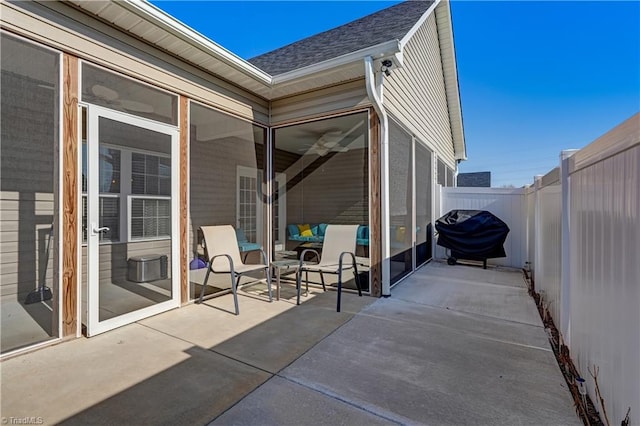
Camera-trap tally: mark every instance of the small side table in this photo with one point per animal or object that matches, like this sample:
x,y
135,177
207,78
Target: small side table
x,y
286,265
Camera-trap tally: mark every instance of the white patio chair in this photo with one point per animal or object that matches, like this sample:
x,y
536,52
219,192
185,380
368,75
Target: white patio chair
x,y
339,241
224,258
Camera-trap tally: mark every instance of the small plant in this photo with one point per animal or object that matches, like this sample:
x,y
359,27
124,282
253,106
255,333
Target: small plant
x,y
594,374
625,422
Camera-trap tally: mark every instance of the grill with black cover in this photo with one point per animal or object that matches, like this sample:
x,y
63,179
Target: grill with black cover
x,y
472,235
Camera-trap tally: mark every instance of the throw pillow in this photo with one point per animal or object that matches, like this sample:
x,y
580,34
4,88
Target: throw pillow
x,y
305,230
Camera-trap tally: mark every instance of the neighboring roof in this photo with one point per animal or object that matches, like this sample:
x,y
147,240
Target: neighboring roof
x,y
392,23
474,180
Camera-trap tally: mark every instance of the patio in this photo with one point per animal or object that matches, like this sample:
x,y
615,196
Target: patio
x,y
453,345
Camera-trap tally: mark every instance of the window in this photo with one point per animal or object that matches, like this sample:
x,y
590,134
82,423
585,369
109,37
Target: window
x,y
442,173
149,197
150,216
446,176
249,207
150,175
110,168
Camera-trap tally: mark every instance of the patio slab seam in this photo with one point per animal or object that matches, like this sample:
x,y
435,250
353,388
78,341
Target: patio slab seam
x,y
466,282
465,333
461,311
285,367
359,404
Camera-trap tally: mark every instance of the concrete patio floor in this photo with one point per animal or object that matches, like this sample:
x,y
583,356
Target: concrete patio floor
x,y
453,345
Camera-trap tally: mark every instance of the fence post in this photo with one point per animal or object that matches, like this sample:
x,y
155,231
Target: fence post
x,y
565,247
537,248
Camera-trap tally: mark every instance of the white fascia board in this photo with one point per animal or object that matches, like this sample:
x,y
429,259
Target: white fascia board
x,y
382,50
418,24
447,33
151,13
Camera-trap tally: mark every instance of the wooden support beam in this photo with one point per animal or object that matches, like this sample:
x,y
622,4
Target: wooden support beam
x,y
70,314
184,222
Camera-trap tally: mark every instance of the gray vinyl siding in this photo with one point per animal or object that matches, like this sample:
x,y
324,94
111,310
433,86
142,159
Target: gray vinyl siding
x,y
23,242
415,94
27,181
336,192
213,181
112,263
61,26
317,103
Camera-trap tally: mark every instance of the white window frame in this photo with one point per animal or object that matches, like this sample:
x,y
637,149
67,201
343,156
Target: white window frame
x,y
250,172
281,180
125,195
130,199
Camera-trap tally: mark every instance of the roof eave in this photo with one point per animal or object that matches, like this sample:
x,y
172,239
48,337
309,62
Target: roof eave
x,y
419,23
450,70
391,48
178,29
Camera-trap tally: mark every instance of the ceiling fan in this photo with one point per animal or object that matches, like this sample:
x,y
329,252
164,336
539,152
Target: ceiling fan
x,y
109,96
327,142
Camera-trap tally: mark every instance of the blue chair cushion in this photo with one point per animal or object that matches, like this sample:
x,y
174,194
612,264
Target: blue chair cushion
x,y
322,229
240,236
246,246
363,232
294,231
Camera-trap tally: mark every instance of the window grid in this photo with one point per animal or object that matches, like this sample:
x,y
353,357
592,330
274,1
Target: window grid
x,y
150,174
150,218
247,194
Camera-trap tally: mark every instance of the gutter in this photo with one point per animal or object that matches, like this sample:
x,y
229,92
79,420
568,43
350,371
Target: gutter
x,y
375,85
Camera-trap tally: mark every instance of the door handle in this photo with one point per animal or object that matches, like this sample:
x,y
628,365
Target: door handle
x,y
97,231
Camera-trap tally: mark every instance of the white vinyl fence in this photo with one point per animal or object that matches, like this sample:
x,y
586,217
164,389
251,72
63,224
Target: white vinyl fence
x,y
547,242
603,288
578,229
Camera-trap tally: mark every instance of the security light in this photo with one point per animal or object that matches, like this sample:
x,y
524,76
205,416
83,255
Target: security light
x,y
386,65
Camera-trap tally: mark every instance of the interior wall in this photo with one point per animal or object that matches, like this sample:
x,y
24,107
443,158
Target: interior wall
x,y
213,185
335,192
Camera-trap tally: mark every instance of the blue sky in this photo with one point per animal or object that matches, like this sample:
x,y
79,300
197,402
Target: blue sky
x,y
535,77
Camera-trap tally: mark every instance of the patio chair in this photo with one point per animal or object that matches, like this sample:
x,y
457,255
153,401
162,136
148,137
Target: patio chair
x,y
339,241
224,258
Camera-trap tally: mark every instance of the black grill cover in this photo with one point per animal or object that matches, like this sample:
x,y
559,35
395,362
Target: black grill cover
x,y
472,234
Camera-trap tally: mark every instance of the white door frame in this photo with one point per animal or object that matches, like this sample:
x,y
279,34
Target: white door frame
x,y
94,325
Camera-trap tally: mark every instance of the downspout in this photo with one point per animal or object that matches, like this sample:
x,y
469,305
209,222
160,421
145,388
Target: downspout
x,y
374,84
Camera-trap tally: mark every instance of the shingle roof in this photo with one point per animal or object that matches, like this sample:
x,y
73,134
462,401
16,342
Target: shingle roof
x,y
388,24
